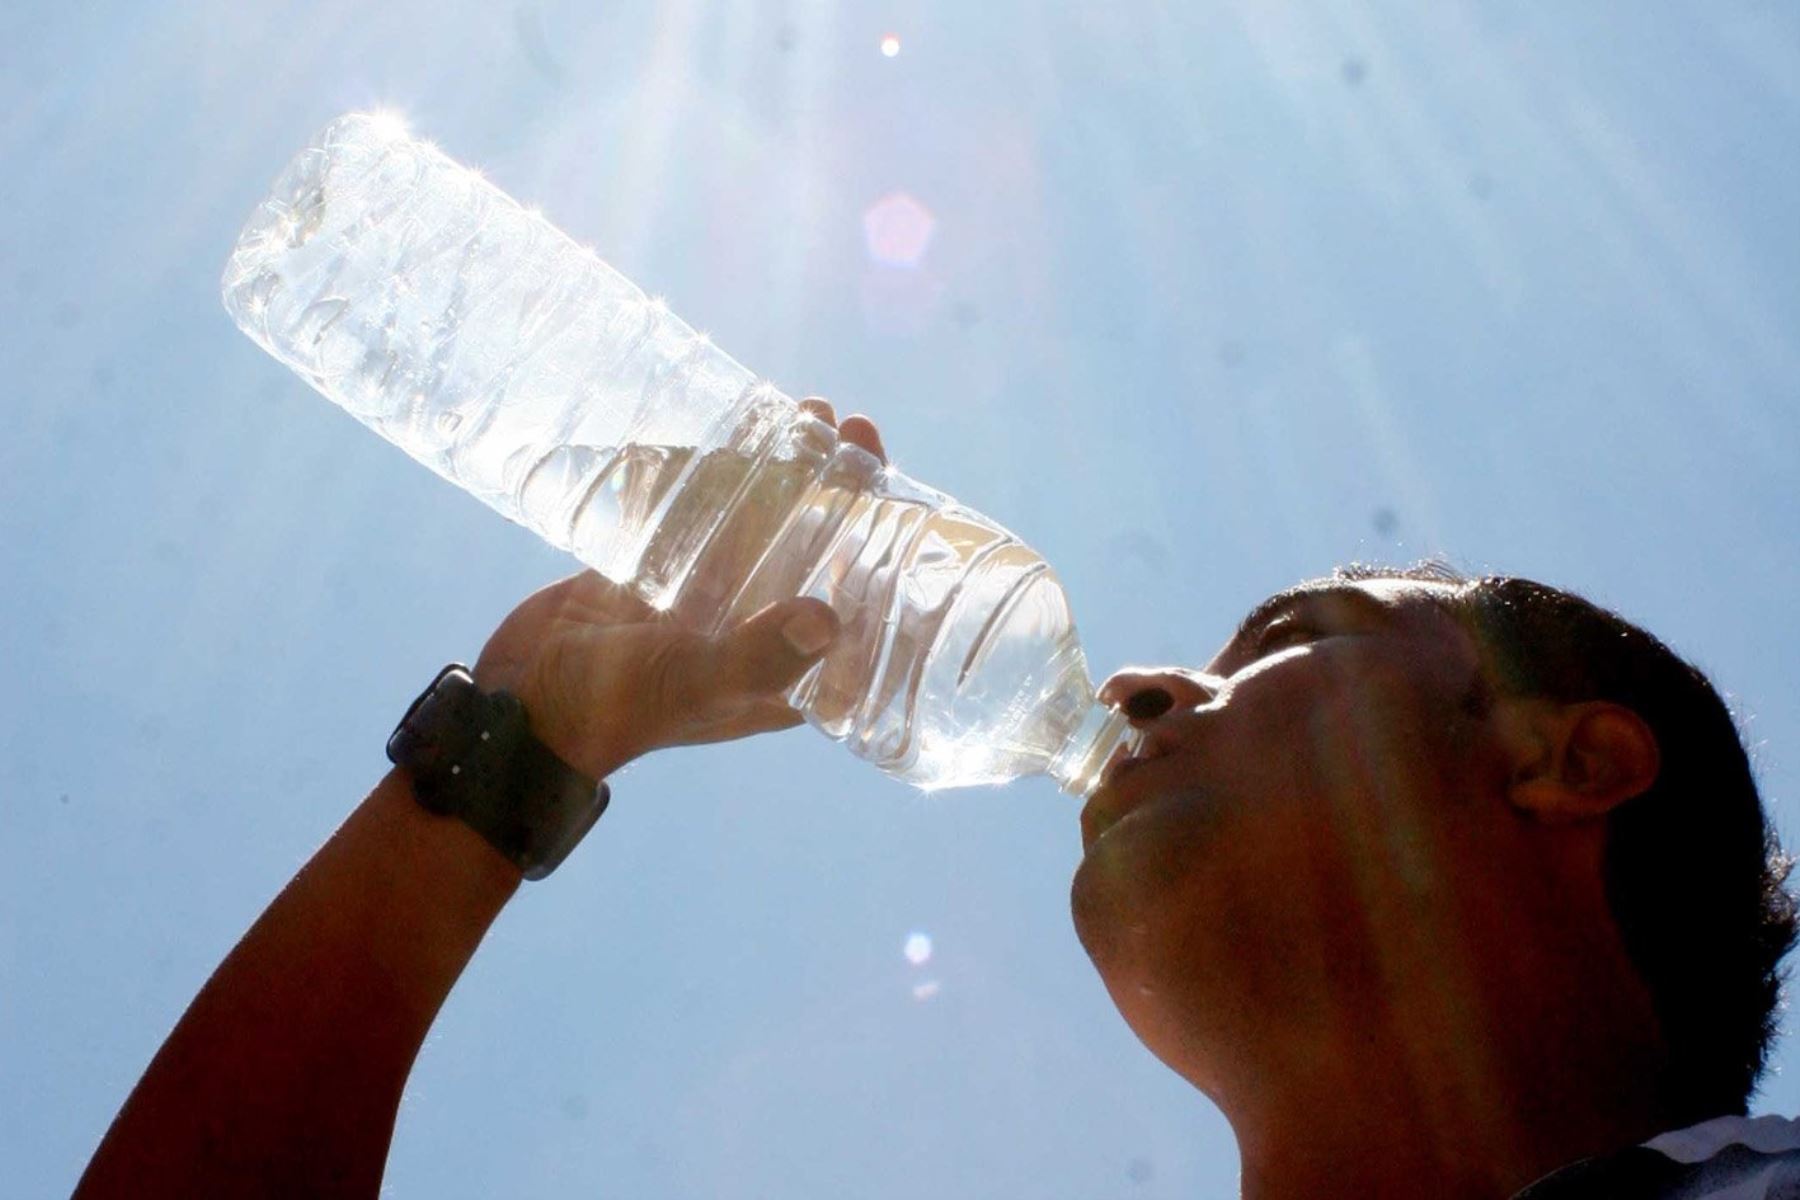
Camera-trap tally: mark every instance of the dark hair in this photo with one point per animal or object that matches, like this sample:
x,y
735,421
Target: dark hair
x,y
1694,874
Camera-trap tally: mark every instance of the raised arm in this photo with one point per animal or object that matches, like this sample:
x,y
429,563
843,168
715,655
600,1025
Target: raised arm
x,y
285,1074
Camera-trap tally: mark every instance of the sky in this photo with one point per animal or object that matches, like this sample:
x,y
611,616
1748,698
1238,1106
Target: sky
x,y
1201,299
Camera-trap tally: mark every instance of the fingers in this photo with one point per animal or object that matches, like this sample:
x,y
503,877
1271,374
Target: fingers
x,y
820,408
696,680
857,430
861,431
767,653
681,688
766,716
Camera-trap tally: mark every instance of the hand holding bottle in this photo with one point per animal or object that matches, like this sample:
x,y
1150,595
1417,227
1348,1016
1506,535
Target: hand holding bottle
x,y
605,678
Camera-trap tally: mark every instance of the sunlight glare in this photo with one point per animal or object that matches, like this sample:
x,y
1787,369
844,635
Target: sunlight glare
x,y
389,123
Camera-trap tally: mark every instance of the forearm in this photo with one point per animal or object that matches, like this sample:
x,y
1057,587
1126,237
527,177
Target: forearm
x,y
285,1073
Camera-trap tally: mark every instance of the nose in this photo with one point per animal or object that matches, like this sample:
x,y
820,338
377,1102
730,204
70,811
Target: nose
x,y
1147,693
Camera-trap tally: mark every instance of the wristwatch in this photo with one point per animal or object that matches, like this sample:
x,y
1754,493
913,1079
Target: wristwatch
x,y
472,756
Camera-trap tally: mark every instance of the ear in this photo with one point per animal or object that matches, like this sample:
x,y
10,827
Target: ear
x,y
1575,762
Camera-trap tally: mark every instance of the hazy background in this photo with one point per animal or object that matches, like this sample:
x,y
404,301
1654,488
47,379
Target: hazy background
x,y
1216,295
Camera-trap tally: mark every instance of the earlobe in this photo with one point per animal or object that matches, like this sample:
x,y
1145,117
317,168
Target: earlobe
x,y
1575,762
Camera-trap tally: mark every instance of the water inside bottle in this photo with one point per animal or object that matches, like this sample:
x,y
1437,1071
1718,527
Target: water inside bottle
x,y
958,664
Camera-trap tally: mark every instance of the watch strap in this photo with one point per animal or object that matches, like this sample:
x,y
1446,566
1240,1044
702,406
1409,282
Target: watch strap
x,y
472,756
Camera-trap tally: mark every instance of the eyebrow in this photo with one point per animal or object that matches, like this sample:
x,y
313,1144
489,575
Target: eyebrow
x,y
1286,601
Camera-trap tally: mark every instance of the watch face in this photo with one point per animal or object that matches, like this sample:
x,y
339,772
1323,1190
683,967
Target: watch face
x,y
439,727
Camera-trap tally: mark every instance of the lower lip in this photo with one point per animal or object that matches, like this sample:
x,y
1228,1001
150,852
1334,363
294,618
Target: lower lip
x,y
1105,800
1124,768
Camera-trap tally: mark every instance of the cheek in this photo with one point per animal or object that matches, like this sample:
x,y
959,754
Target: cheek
x,y
1386,775
1336,777
1343,719
1314,804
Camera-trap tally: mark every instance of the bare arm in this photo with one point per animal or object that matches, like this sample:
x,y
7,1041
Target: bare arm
x,y
284,1076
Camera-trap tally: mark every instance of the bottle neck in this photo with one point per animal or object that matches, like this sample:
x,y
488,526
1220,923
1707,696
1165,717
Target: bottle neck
x,y
1101,730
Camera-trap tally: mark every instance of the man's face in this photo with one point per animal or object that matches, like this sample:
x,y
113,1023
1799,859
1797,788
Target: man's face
x,y
1318,787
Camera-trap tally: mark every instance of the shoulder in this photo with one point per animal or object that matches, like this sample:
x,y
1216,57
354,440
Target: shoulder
x,y
1766,1135
1740,1158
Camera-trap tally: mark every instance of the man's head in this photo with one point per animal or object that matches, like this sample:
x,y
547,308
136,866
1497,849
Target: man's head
x,y
1408,797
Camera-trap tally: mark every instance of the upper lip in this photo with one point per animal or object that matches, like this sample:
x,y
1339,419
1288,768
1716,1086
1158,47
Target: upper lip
x,y
1107,807
1155,741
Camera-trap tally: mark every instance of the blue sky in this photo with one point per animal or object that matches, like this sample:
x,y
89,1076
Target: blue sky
x,y
1217,295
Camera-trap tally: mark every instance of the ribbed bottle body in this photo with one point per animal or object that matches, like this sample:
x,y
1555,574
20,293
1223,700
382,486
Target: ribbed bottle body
x,y
480,339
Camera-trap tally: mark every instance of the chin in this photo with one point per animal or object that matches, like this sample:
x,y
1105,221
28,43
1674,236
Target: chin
x,y
1144,881
1116,895
1092,909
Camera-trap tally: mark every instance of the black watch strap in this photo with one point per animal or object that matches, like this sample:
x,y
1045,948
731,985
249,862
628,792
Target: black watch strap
x,y
472,756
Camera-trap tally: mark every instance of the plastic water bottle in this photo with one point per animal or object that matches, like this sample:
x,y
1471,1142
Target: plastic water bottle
x,y
481,340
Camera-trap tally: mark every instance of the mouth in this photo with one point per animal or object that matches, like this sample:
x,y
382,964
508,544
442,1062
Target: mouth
x,y
1157,741
1122,763
1110,803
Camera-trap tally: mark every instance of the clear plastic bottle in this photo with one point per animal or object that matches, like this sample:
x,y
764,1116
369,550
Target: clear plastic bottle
x,y
473,334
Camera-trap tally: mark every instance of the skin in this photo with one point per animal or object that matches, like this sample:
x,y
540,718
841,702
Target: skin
x,y
1347,893
1356,898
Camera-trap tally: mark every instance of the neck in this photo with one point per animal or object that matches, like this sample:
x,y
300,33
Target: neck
x,y
1453,1074
1339,1136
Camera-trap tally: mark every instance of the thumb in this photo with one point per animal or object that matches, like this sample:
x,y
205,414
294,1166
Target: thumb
x,y
772,649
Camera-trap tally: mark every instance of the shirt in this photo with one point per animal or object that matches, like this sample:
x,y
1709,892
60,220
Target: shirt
x,y
1726,1158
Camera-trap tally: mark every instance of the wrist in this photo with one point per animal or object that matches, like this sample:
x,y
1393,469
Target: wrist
x,y
464,864
471,754
591,742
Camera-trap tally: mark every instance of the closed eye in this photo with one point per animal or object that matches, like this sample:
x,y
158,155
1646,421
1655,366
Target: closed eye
x,y
1283,635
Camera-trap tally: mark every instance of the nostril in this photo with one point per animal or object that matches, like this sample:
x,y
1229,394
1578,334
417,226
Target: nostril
x,y
1148,704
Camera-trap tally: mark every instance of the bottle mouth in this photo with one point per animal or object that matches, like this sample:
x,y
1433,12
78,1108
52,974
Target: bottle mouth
x,y
1102,730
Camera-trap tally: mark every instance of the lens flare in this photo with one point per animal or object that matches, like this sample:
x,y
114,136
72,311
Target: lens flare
x,y
897,228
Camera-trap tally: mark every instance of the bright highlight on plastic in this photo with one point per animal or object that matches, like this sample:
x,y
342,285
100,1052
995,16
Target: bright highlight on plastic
x,y
388,124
